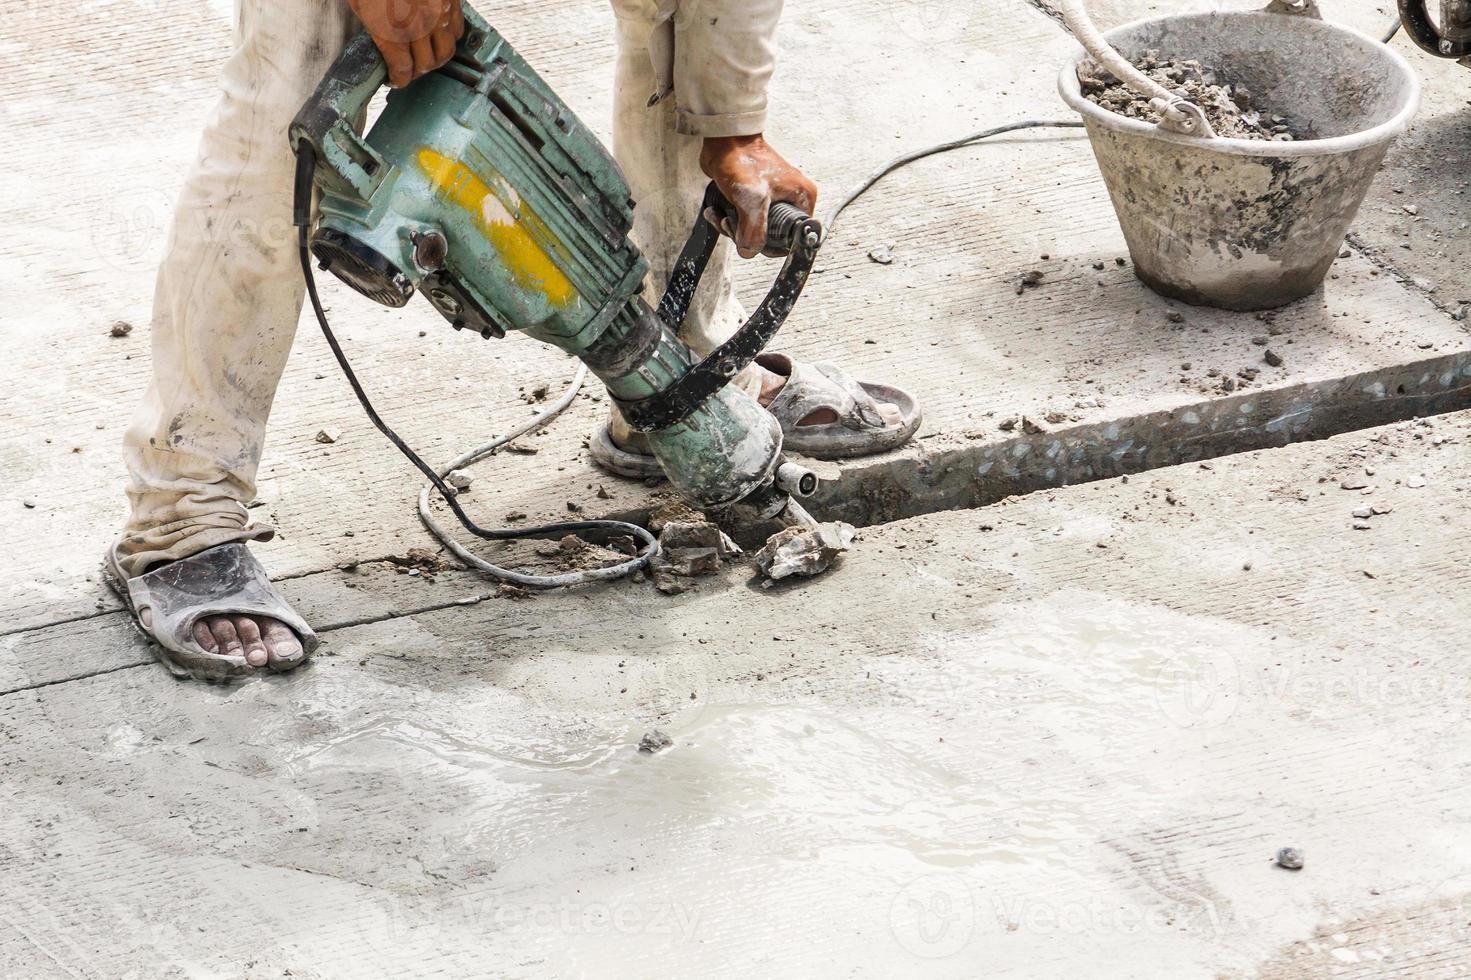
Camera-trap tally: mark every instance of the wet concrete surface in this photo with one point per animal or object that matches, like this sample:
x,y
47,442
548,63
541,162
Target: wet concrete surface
x,y
1062,736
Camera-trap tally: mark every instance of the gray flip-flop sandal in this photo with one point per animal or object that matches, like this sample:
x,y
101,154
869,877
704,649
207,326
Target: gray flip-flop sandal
x,y
858,431
219,581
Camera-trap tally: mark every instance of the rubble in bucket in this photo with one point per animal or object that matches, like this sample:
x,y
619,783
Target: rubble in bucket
x,y
1229,107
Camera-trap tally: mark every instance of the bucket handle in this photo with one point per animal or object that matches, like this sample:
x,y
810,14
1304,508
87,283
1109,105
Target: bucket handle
x,y
1177,114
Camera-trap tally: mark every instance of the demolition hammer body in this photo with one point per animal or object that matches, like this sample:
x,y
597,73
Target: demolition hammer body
x,y
479,189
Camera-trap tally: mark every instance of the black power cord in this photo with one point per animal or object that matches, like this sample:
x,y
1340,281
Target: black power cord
x,y
306,165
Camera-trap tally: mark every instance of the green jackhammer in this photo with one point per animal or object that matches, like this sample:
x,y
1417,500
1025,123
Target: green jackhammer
x,y
478,188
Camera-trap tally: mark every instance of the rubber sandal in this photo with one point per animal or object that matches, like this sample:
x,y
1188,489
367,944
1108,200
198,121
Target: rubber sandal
x,y
222,580
859,429
621,462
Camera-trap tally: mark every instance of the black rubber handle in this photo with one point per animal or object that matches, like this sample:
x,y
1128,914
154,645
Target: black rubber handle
x,y
678,401
782,220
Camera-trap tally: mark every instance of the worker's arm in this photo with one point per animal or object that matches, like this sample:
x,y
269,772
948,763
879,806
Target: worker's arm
x,y
414,36
724,54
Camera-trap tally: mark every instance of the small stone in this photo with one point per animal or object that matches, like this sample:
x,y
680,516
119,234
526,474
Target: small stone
x,y
28,504
1363,512
329,435
1411,209
1378,509
1290,858
1185,366
1353,483
1361,525
654,741
1272,358
1031,428
1415,482
1260,340
1029,280
1007,425
459,479
881,254
1176,316
515,515
120,328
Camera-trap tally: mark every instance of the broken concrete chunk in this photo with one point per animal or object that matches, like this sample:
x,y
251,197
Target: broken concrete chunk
x,y
654,741
120,328
329,434
804,551
678,535
881,254
1353,483
459,479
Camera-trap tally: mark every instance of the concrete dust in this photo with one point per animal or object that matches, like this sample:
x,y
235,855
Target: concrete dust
x,y
1231,108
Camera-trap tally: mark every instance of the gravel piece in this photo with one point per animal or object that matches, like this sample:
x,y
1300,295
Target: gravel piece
x,y
1290,858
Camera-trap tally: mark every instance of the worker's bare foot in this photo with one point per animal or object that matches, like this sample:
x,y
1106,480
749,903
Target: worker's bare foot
x,y
260,640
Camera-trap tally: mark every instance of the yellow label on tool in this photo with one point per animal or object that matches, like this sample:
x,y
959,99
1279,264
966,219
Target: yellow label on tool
x,y
504,220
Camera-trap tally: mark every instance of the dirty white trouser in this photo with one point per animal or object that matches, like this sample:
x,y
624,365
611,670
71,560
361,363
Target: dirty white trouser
x,y
229,292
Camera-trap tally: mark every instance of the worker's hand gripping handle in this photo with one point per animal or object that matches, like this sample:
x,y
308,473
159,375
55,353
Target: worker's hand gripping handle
x,y
789,232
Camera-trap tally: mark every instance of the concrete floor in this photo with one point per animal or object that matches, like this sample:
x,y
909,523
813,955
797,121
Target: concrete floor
x,y
988,745
1060,737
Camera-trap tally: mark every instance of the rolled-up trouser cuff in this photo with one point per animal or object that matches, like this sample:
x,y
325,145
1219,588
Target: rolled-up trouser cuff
x,y
749,123
138,551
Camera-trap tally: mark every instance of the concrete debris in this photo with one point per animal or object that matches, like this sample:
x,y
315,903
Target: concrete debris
x,y
459,479
1415,482
329,435
1030,279
654,741
1363,513
804,551
683,535
1272,358
1353,483
1290,858
120,328
881,254
688,549
1230,108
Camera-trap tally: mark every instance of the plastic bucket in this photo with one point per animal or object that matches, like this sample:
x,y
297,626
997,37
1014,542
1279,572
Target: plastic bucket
x,y
1246,224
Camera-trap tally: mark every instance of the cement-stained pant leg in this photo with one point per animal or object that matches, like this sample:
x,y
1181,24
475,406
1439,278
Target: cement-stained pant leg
x,y
228,294
663,169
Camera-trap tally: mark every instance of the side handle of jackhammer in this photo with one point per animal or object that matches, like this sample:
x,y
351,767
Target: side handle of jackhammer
x,y
328,121
788,229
